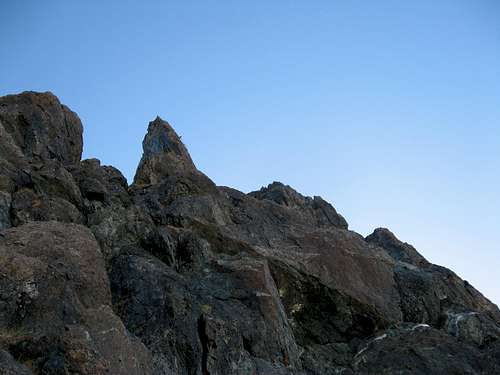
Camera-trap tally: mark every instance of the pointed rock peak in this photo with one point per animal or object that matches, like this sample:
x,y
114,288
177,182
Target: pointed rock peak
x,y
398,250
161,138
164,154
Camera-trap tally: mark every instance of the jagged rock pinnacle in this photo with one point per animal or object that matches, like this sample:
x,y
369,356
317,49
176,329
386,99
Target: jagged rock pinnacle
x,y
164,154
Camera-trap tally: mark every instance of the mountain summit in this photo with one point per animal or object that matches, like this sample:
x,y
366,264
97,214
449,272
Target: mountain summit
x,y
175,275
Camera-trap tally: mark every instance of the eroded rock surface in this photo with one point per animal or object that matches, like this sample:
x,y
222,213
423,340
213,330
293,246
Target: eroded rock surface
x,y
175,275
55,304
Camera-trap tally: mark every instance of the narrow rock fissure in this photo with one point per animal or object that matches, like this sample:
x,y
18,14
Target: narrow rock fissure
x,y
202,334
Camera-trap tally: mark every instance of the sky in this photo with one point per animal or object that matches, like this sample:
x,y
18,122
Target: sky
x,y
390,110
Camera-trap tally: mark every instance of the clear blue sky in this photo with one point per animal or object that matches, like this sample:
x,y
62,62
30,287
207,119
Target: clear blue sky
x,y
388,109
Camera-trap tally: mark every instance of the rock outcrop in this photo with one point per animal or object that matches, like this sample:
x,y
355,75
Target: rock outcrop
x,y
175,275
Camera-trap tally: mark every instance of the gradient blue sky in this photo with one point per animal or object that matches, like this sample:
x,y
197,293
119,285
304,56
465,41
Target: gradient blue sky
x,y
388,109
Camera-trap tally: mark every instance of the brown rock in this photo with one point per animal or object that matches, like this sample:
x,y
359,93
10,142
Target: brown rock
x,y
164,154
55,304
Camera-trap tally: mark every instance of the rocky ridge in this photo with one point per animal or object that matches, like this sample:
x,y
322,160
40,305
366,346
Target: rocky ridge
x,y
175,275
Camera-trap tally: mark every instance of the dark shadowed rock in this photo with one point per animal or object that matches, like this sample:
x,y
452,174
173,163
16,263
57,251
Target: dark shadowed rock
x,y
228,317
399,251
41,127
5,202
321,212
55,309
40,137
339,258
429,295
50,193
415,350
102,184
9,366
473,327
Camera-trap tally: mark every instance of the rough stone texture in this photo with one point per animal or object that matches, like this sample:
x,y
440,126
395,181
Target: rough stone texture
x,y
9,366
399,251
5,202
164,154
472,327
228,317
341,259
175,275
55,304
102,184
42,127
319,212
420,350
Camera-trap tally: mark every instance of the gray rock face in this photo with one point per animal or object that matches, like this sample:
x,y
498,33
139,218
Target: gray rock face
x,y
175,275
320,212
399,251
41,127
5,202
164,154
418,351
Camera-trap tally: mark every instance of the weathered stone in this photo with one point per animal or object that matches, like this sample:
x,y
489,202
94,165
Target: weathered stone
x,y
206,280
98,183
55,304
9,366
428,294
117,227
472,327
341,259
417,351
5,201
225,318
320,211
399,251
28,206
164,154
42,127
328,359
